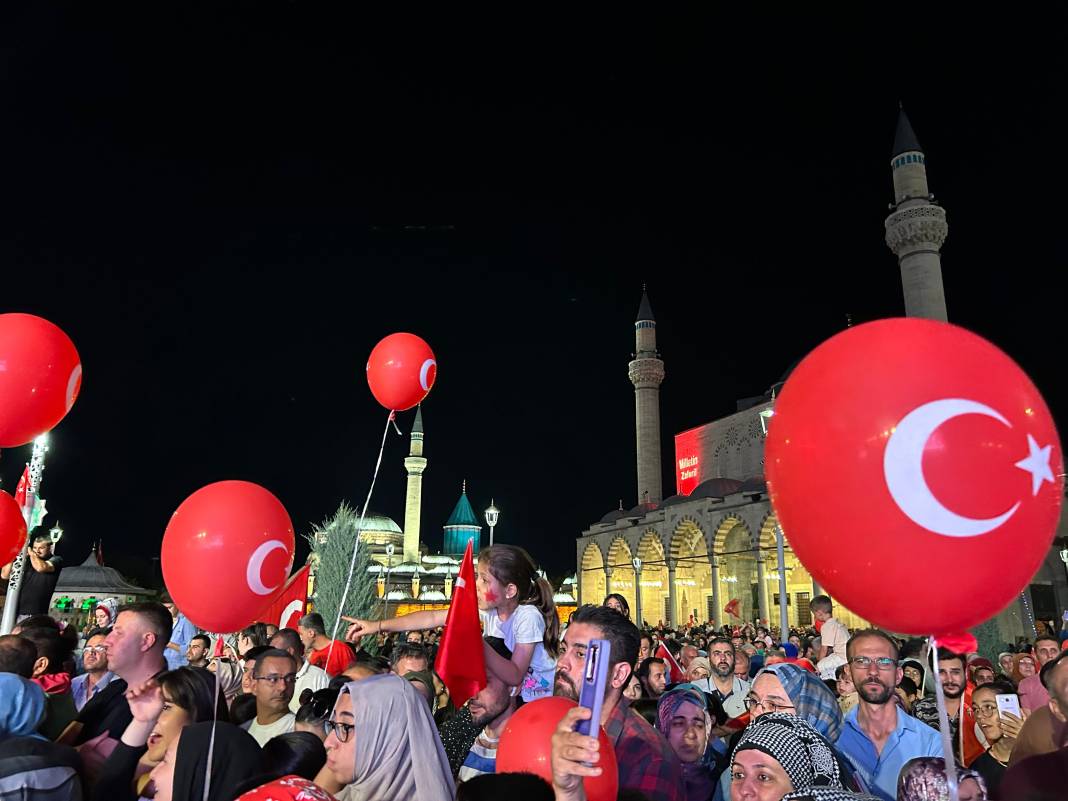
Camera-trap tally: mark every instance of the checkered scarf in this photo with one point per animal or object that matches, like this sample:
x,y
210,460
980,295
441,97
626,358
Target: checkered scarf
x,y
806,757
827,794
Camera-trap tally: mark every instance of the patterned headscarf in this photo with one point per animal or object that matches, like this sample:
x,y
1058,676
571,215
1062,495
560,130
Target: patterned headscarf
x,y
827,794
924,779
811,698
806,757
668,705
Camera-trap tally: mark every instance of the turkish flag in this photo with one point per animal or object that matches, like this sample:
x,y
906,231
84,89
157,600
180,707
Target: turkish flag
x,y
289,605
732,607
20,489
675,671
460,661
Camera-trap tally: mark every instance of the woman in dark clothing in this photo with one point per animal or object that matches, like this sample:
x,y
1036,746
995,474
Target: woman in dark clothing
x,y
999,730
161,708
235,756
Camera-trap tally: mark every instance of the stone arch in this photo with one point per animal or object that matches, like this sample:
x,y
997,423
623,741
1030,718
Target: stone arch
x,y
736,551
653,582
622,579
726,526
693,571
591,574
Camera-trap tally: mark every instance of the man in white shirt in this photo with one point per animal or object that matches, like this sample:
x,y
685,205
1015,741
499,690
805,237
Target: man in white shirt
x,y
309,677
833,635
274,677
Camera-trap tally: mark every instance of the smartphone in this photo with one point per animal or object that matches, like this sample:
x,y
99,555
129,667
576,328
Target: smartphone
x,y
1008,703
594,682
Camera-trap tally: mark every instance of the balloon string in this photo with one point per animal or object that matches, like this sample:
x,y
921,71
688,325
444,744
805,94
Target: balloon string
x,y
949,762
359,527
211,742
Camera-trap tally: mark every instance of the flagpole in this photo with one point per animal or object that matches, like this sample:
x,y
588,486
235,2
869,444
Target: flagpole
x,y
14,587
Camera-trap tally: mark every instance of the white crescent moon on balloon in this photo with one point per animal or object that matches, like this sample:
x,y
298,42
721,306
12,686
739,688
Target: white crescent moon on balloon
x,y
254,573
903,469
73,384
424,374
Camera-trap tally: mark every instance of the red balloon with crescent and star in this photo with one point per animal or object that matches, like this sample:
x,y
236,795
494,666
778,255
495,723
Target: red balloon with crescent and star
x,y
401,371
226,553
916,472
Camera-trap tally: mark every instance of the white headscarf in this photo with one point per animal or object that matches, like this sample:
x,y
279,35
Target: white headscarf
x,y
398,751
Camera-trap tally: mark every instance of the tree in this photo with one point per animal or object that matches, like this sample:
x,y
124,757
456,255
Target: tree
x,y
332,542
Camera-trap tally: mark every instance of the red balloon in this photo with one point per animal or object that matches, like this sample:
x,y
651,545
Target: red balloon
x,y
526,747
226,552
917,473
400,371
40,376
12,528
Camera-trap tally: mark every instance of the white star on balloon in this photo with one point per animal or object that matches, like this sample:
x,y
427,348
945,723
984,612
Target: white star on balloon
x,y
1037,464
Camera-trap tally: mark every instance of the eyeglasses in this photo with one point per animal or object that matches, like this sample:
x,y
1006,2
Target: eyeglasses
x,y
95,649
273,679
767,704
865,662
341,730
984,711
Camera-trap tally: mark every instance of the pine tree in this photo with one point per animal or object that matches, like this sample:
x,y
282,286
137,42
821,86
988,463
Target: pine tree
x,y
332,542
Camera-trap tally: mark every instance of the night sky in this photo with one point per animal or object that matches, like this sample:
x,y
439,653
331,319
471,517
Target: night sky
x,y
227,208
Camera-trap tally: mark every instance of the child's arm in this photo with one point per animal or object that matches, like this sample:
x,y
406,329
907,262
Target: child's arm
x,y
512,672
415,621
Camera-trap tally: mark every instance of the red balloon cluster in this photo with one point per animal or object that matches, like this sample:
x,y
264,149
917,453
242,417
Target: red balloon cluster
x,y
401,371
226,552
913,454
40,376
12,528
526,747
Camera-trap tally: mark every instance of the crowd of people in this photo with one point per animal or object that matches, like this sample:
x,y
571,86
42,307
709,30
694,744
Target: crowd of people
x,y
140,704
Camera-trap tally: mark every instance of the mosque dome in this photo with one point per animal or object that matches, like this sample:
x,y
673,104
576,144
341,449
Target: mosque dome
x,y
716,488
381,531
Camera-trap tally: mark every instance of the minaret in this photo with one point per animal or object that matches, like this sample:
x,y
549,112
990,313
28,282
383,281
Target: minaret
x,y
646,372
415,464
916,227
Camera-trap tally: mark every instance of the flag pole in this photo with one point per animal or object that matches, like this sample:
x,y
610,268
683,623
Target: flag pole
x,y
14,587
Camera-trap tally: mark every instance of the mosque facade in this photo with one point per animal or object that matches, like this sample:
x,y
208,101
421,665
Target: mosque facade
x,y
707,553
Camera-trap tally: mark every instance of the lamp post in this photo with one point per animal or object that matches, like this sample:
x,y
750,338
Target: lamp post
x,y
389,566
637,589
784,620
493,514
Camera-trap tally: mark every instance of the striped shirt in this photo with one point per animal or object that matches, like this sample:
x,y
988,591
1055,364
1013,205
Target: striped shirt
x,y
482,758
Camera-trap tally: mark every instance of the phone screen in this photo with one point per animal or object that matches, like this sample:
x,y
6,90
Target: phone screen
x,y
1008,703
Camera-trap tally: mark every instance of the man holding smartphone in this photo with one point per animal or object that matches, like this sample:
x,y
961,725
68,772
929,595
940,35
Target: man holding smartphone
x,y
40,573
645,761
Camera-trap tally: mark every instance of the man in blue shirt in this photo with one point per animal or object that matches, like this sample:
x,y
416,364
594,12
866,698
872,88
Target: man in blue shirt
x,y
181,633
878,738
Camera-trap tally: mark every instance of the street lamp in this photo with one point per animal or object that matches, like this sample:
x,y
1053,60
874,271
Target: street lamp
x,y
637,589
493,514
389,566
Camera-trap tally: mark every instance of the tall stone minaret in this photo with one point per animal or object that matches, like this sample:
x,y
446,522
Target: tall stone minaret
x,y
415,464
916,227
646,372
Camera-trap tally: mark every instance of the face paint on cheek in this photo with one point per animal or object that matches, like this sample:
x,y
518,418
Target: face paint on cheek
x,y
491,597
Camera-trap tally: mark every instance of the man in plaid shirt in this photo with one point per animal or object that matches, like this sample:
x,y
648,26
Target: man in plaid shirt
x,y
645,760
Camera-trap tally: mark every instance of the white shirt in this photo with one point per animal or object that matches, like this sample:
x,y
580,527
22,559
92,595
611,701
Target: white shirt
x,y
834,635
261,734
526,625
308,677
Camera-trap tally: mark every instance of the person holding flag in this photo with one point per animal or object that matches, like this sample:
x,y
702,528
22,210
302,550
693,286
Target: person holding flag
x,y
514,603
40,574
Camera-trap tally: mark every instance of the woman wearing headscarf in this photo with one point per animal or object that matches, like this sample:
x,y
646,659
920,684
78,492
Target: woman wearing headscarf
x,y
235,757
781,753
789,688
1023,665
29,760
924,779
683,719
395,752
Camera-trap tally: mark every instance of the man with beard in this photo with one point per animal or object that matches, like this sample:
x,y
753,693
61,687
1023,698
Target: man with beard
x,y
1033,694
877,737
951,672
730,688
490,711
646,763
